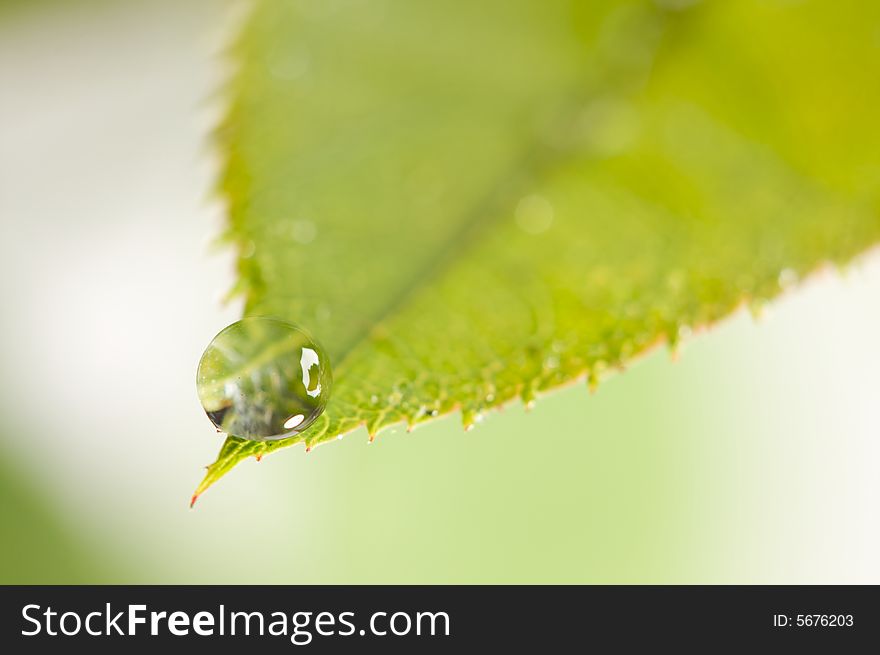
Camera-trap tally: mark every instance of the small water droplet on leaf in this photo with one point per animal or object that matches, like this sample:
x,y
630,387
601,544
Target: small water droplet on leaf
x,y
534,214
263,378
248,248
303,231
787,278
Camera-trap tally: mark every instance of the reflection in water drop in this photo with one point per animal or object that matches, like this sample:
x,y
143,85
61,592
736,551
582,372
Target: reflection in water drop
x,y
263,378
307,361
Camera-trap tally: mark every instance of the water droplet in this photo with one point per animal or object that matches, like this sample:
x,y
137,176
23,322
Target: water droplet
x,y
263,378
787,278
303,231
289,64
534,214
594,376
675,280
592,381
609,126
248,248
757,308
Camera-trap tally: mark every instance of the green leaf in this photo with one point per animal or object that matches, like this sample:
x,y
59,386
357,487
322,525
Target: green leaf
x,y
474,202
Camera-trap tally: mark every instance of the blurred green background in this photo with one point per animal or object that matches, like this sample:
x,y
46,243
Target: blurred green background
x,y
752,459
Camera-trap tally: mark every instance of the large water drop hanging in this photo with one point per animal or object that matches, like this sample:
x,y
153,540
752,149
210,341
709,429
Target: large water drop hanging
x,y
263,378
